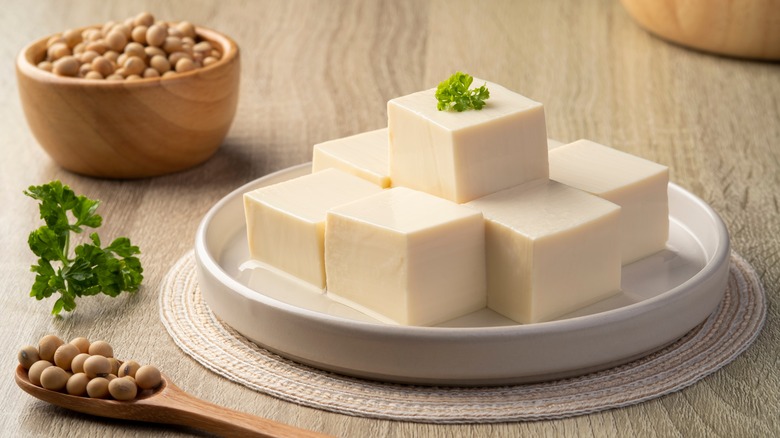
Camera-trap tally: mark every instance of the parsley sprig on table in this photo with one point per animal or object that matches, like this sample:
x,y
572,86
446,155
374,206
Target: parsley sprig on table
x,y
91,269
454,94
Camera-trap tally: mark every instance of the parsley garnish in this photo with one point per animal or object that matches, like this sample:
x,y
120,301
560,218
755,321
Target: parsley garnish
x,y
454,94
92,269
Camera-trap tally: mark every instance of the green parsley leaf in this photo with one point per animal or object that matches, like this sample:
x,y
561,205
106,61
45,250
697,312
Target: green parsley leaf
x,y
92,269
454,94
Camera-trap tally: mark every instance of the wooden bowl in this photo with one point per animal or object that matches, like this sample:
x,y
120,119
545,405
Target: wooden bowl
x,y
131,129
746,29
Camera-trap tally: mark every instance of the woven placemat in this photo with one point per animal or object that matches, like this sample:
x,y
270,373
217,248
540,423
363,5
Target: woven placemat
x,y
717,341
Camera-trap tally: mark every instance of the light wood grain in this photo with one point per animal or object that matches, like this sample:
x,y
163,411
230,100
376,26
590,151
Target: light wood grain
x,y
318,70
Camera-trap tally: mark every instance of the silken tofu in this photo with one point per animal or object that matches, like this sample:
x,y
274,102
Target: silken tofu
x,y
286,221
364,155
467,155
407,257
550,249
639,186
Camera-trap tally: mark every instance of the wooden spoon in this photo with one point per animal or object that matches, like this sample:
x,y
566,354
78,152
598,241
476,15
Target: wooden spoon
x,y
170,405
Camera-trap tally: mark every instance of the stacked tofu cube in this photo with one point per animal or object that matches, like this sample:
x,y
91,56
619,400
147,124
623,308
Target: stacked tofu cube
x,y
443,213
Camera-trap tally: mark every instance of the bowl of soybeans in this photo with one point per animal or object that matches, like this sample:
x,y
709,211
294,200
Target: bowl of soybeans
x,y
130,99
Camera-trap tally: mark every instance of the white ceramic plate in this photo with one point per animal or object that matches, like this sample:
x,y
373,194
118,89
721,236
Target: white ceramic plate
x,y
664,296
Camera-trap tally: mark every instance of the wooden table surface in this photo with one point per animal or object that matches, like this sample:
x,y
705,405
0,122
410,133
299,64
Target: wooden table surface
x,y
318,70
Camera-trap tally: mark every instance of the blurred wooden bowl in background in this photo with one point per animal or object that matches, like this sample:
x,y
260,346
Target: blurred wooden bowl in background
x,y
740,28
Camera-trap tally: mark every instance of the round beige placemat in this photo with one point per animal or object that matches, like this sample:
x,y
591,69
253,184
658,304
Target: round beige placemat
x,y
714,343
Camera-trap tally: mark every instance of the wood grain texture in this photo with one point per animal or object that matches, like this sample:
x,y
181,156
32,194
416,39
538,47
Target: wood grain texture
x,y
313,71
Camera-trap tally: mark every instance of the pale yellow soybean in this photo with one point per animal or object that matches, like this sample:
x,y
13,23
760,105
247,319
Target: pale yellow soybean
x,y
27,356
203,46
169,73
102,348
115,40
87,57
124,28
139,34
55,39
114,365
46,65
128,368
77,384
134,66
98,46
97,366
160,63
79,48
49,343
152,51
54,378
151,73
98,388
184,65
115,77
66,66
174,57
209,60
92,35
121,59
77,364
122,389
64,355
111,56
135,49
105,68
81,342
172,44
57,51
72,37
84,69
186,28
143,19
155,35
34,374
148,377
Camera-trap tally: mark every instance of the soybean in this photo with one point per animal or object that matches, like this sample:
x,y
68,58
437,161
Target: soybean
x,y
27,356
105,52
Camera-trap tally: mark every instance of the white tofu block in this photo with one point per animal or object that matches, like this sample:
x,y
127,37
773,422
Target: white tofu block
x,y
550,250
364,155
636,184
286,221
552,144
407,257
467,155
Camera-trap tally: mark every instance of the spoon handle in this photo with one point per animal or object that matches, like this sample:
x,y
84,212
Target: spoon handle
x,y
178,407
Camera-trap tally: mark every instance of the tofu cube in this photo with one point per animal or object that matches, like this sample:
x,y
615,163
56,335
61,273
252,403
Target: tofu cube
x,y
550,250
286,221
467,155
364,155
639,186
407,257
